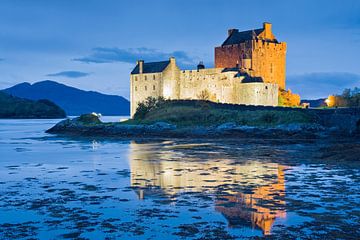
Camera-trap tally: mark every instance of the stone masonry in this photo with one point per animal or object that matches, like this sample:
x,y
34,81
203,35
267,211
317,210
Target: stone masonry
x,y
249,69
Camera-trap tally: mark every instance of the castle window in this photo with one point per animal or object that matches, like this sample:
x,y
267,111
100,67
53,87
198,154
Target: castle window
x,y
266,87
135,88
135,78
153,87
153,77
145,88
145,78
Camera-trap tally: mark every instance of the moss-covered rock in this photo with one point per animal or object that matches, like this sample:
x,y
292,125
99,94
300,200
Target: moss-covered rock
x,y
89,118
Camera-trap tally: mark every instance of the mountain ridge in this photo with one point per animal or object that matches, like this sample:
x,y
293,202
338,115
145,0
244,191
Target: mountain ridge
x,y
73,100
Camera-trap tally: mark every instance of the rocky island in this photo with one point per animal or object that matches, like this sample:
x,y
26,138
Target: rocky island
x,y
205,119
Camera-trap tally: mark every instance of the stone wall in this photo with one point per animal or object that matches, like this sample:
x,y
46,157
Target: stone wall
x,y
261,55
223,87
227,56
264,94
143,86
258,57
269,61
171,81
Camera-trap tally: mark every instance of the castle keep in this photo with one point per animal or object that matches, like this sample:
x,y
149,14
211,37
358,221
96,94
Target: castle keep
x,y
249,69
256,52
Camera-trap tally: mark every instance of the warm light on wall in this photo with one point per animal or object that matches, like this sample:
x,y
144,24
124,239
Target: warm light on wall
x,y
167,92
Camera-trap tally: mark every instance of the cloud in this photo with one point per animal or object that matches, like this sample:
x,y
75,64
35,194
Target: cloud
x,y
322,84
110,55
69,74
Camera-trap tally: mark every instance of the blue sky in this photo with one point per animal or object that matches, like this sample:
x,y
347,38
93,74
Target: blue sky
x,y
93,45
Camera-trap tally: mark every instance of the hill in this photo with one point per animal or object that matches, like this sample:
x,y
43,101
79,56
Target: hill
x,y
206,113
15,107
74,101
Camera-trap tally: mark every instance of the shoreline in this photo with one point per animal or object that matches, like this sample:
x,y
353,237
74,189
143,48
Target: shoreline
x,y
297,131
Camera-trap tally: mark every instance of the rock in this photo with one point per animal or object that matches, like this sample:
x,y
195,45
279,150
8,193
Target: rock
x,y
90,118
247,128
162,126
300,127
226,126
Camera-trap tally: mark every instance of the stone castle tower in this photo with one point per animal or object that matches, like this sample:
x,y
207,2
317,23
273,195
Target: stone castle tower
x,y
256,52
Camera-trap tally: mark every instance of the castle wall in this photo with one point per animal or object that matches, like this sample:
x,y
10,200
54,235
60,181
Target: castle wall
x,y
225,88
230,56
259,58
193,82
263,94
269,61
171,81
227,56
143,86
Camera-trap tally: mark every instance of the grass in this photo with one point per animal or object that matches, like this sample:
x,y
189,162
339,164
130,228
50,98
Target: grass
x,y
202,114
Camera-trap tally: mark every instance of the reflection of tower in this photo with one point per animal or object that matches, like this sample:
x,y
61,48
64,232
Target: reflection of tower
x,y
168,169
249,207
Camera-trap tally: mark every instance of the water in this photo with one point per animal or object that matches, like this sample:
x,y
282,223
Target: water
x,y
54,188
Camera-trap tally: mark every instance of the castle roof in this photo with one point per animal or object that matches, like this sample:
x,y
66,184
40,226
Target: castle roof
x,y
151,67
237,37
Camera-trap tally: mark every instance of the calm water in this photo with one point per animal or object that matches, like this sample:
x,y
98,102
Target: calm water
x,y
54,188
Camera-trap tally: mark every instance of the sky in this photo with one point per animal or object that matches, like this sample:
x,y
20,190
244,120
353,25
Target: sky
x,y
94,44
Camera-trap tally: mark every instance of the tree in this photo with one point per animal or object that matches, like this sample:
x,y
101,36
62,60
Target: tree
x,y
146,106
204,95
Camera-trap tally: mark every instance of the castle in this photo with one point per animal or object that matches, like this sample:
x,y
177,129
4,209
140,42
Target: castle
x,y
249,69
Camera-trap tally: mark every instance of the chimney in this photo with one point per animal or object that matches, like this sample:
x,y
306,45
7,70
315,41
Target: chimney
x,y
267,29
141,66
232,30
172,60
200,65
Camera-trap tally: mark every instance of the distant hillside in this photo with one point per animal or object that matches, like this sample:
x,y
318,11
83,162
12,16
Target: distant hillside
x,y
15,107
315,103
74,101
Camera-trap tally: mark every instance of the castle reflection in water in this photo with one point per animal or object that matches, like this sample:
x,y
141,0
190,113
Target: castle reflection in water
x,y
247,193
